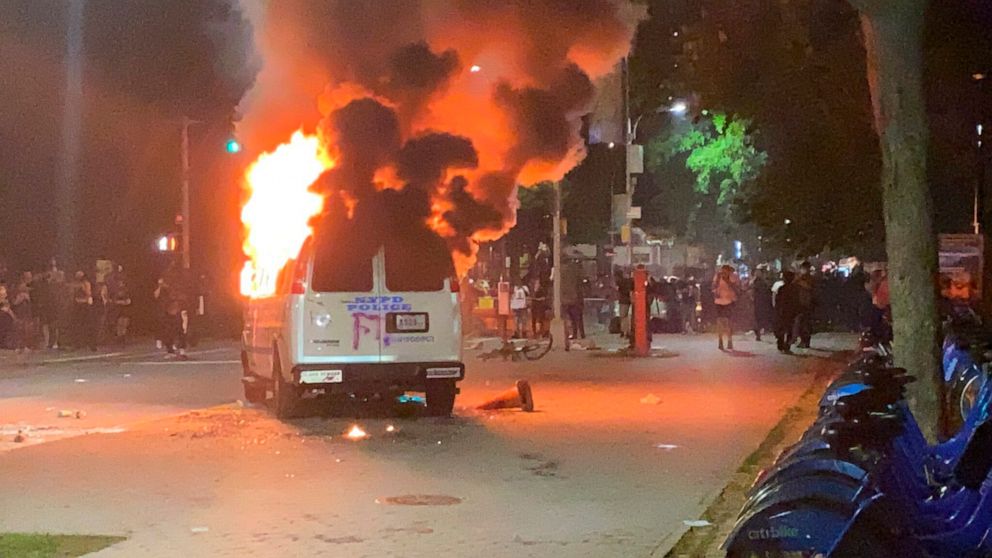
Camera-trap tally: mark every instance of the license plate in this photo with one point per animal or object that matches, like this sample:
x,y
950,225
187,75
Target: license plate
x,y
411,322
446,372
321,377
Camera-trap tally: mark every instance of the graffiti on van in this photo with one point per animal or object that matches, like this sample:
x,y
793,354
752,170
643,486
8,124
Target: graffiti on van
x,y
377,304
361,329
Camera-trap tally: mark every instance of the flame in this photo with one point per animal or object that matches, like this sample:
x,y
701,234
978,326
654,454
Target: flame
x,y
280,205
356,433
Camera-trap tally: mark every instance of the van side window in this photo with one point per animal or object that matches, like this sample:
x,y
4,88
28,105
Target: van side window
x,y
412,266
342,265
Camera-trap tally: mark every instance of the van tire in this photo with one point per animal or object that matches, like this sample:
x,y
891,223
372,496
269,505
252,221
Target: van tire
x,y
284,396
440,397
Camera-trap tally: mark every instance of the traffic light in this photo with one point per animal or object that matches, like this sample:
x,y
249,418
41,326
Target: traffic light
x,y
232,146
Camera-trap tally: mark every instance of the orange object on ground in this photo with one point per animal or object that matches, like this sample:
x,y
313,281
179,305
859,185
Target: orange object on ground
x,y
518,396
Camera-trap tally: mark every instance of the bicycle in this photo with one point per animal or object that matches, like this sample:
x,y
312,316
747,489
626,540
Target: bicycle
x,y
518,349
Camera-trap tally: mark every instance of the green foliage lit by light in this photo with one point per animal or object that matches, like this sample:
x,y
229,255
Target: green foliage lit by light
x,y
721,155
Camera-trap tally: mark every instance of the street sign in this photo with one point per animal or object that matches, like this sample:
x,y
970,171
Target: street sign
x,y
961,264
635,159
625,234
503,298
634,213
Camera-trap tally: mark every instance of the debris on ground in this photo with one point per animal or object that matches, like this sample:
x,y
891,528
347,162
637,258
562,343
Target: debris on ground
x,y
650,399
199,529
519,396
668,447
696,523
70,413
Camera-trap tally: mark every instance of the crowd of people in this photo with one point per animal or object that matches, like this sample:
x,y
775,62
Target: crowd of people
x,y
789,305
52,309
55,310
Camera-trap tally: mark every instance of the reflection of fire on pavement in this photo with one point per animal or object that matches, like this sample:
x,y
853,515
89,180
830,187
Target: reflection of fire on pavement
x,y
13,436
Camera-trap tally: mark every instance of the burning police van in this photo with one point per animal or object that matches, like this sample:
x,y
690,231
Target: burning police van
x,y
352,316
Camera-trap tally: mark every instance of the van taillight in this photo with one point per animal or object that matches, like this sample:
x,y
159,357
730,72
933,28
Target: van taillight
x,y
299,285
454,284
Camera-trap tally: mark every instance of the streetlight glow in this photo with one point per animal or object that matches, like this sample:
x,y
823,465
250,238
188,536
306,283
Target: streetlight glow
x,y
475,69
679,108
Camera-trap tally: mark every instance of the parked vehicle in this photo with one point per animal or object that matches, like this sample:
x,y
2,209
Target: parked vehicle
x,y
349,320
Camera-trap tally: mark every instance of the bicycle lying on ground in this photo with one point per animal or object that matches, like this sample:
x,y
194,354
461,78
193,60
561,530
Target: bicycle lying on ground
x,y
519,349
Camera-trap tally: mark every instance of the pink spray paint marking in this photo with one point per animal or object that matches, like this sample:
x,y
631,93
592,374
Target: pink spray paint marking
x,y
361,330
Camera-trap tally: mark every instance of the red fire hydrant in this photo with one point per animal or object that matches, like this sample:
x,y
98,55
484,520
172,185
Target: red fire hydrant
x,y
639,303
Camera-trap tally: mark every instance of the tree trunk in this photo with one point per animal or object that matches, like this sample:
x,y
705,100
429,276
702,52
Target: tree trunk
x,y
893,32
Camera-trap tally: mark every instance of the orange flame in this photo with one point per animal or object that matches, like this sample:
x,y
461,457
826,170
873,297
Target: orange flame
x,y
280,205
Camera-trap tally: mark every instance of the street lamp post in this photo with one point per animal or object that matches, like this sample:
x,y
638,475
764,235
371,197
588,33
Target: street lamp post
x,y
978,215
629,137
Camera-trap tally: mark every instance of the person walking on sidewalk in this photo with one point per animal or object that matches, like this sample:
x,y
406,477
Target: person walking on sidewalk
x,y
726,291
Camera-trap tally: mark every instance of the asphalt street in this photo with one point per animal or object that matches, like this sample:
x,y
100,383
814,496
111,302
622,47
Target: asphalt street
x,y
619,453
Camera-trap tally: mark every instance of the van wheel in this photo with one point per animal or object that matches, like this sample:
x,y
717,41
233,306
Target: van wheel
x,y
284,396
440,397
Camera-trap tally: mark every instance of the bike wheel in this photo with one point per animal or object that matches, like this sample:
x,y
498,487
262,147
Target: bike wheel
x,y
538,347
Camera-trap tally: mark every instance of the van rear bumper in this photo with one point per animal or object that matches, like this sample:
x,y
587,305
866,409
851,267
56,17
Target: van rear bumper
x,y
358,377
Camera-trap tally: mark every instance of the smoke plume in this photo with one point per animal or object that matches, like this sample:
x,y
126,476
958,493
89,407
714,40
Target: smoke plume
x,y
433,111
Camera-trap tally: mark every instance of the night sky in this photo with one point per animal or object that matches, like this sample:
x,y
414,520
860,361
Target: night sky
x,y
146,64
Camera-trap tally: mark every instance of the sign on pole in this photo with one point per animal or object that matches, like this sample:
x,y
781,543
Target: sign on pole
x,y
961,264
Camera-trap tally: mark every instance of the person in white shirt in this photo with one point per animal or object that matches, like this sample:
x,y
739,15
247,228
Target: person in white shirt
x,y
518,305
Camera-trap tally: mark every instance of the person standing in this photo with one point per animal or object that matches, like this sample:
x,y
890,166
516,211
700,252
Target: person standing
x,y
21,306
624,287
121,308
161,296
806,300
786,309
518,305
572,299
688,300
726,287
764,311
539,308
46,306
82,303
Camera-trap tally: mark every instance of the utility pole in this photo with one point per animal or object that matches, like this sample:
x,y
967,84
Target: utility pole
x,y
557,325
628,140
67,198
184,225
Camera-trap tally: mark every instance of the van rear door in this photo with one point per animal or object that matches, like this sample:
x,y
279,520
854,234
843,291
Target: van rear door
x,y
341,321
421,318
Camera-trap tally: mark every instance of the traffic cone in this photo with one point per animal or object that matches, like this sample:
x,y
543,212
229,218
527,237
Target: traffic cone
x,y
518,396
